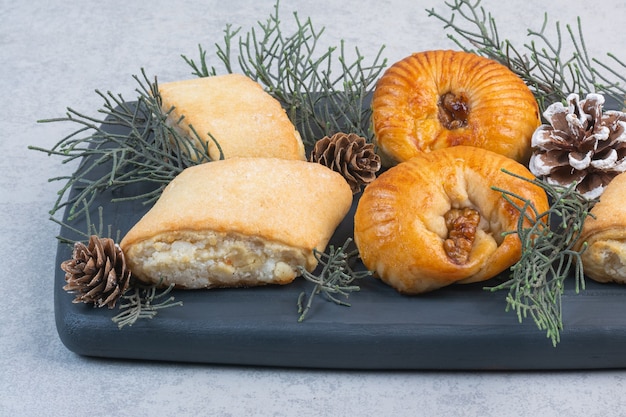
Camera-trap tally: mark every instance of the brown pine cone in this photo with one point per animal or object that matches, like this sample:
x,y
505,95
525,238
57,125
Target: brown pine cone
x,y
350,155
582,144
97,272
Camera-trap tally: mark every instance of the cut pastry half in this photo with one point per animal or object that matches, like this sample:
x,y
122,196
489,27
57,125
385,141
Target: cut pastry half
x,y
238,222
604,234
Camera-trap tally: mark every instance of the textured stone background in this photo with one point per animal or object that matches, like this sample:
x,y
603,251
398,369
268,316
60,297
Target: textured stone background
x,y
54,53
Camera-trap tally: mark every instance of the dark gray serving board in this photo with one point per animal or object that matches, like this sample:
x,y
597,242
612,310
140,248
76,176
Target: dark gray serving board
x,y
456,328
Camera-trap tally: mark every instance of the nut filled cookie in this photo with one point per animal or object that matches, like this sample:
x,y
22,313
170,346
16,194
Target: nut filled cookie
x,y
436,99
435,219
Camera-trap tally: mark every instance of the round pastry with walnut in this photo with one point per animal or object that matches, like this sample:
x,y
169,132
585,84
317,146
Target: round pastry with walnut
x,y
436,99
436,219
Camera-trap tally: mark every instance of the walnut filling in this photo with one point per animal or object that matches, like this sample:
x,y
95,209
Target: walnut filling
x,y
461,224
215,259
453,110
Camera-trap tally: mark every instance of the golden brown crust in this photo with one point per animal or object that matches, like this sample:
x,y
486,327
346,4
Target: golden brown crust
x,y
244,119
288,202
400,221
604,259
501,112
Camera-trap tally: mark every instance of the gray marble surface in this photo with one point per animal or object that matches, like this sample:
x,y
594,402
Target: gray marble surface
x,y
54,54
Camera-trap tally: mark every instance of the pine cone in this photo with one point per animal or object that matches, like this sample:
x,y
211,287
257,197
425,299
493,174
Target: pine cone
x,y
97,272
350,155
581,144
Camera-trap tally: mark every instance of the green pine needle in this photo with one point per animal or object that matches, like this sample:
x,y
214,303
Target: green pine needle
x,y
541,63
335,279
141,304
549,255
147,149
318,100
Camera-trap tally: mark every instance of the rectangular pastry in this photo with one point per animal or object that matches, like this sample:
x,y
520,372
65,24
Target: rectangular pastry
x,y
235,110
238,222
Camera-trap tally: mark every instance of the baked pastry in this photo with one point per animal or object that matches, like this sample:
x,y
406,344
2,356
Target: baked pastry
x,y
238,222
436,99
604,259
236,111
435,219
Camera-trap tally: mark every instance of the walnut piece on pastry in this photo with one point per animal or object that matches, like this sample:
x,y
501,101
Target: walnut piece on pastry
x,y
238,222
235,110
604,259
435,219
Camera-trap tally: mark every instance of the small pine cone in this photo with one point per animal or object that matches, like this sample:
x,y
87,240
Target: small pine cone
x,y
350,155
97,272
582,144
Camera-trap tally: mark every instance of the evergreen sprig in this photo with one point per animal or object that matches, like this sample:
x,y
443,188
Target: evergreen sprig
x,y
323,92
143,302
130,142
335,277
549,255
542,63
